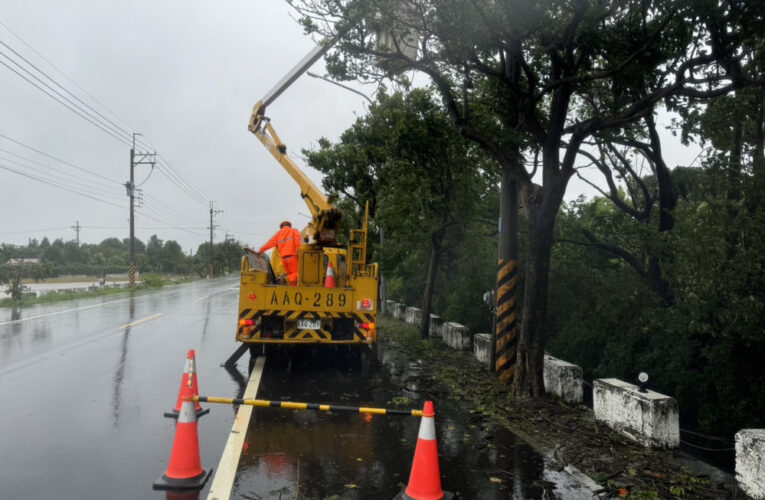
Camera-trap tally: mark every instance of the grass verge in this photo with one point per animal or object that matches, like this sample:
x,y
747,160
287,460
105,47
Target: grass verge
x,y
149,283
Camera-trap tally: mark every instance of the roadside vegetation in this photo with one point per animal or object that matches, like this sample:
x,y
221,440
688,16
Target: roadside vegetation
x,y
19,296
159,262
564,434
662,270
42,260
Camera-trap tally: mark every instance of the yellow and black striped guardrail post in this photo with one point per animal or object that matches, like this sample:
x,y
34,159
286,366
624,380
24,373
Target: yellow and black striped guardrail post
x,y
506,334
291,405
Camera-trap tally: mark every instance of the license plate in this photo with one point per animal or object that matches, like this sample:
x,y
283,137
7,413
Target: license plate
x,y
309,324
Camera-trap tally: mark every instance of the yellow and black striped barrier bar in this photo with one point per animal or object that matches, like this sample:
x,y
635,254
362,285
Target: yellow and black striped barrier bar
x,y
289,405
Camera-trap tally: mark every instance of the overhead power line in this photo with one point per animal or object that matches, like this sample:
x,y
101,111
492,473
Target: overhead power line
x,y
58,159
72,102
6,167
144,228
170,210
165,222
62,182
171,173
129,126
34,231
166,216
101,116
67,106
94,183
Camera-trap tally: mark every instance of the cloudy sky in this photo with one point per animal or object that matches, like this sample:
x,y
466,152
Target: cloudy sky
x,y
185,74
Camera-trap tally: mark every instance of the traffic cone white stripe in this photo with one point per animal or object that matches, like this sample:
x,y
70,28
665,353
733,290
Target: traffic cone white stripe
x,y
187,414
427,429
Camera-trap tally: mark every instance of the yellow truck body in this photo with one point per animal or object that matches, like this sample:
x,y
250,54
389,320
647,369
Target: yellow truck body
x,y
275,313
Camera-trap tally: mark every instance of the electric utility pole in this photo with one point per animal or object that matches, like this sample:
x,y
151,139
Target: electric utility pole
x,y
76,228
213,213
136,158
504,347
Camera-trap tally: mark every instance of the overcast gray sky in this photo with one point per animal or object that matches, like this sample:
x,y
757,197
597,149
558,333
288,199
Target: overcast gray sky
x,y
185,74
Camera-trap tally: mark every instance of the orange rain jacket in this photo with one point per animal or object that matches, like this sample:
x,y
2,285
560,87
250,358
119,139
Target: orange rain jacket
x,y
287,241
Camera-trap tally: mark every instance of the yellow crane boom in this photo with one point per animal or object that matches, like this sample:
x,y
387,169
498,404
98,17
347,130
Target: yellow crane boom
x,y
325,217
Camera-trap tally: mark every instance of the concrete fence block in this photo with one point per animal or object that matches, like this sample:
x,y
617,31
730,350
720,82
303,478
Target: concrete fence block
x,y
750,462
413,315
650,418
436,325
398,310
563,379
456,336
482,348
389,308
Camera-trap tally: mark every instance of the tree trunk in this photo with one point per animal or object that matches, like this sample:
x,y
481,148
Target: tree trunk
x,y
734,183
528,378
430,284
759,141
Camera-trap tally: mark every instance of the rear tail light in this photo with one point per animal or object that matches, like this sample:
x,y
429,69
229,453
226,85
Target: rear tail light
x,y
246,322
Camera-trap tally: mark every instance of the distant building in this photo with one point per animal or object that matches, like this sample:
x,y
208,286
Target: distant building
x,y
19,262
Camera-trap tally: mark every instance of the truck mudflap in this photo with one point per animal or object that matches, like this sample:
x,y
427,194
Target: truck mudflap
x,y
296,327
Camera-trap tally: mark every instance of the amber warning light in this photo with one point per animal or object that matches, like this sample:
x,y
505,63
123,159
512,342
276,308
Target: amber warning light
x,y
246,322
370,330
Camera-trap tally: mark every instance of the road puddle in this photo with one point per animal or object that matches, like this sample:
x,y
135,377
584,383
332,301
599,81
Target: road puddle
x,y
292,454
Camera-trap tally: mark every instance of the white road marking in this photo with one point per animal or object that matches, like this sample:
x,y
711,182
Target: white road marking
x,y
61,312
144,320
223,482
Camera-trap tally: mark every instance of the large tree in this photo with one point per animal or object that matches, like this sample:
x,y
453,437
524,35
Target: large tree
x,y
551,74
423,180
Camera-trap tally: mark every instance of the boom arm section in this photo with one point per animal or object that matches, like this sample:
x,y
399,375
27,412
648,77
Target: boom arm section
x,y
325,217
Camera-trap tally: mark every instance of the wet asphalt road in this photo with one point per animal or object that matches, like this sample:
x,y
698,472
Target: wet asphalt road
x,y
83,396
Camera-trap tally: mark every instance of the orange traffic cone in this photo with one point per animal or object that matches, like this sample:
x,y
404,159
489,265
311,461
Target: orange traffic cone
x,y
425,478
191,360
185,472
329,281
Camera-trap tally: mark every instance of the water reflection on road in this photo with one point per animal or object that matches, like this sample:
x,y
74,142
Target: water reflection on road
x,y
304,454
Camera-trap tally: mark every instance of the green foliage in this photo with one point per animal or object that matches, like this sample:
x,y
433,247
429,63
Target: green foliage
x,y
17,289
151,280
111,256
706,348
432,194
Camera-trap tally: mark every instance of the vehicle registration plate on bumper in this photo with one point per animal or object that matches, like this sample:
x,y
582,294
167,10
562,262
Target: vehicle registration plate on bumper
x,y
309,324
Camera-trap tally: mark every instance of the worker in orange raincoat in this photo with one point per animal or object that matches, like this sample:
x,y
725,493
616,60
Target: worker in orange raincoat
x,y
287,241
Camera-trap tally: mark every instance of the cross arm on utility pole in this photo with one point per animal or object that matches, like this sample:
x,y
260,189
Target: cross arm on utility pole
x,y
213,213
136,158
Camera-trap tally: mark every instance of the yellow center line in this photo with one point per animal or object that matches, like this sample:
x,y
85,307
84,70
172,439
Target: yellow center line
x,y
202,298
144,320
